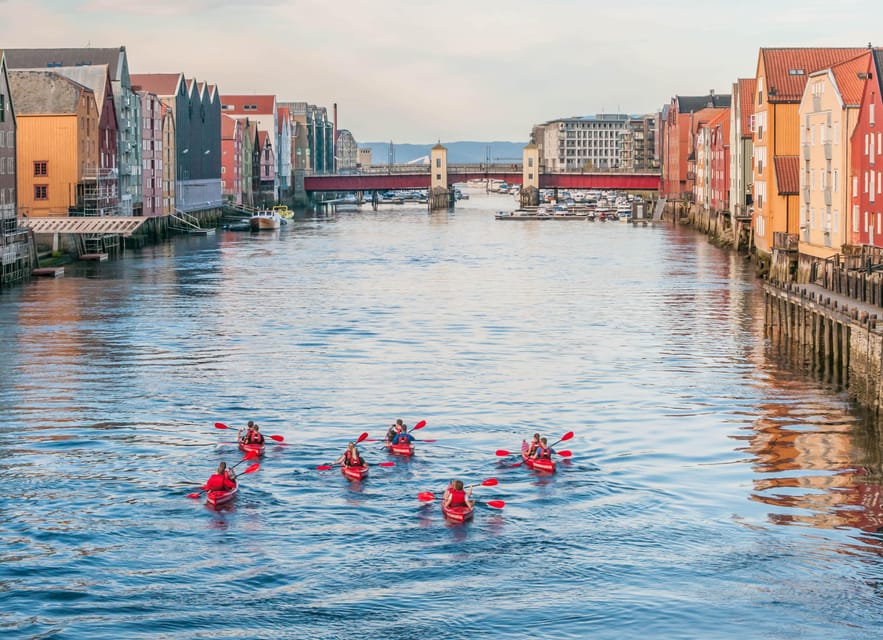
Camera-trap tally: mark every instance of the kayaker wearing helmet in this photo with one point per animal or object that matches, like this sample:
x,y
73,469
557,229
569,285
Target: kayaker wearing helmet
x,y
223,480
542,452
456,497
351,457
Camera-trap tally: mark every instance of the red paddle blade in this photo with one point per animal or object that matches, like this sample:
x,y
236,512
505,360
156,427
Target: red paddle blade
x,y
324,467
252,468
496,504
419,425
387,464
426,496
565,453
422,440
362,437
566,436
194,495
277,438
503,452
221,425
251,454
490,482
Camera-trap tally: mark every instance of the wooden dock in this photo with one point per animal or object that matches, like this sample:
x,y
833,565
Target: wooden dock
x,y
48,272
96,257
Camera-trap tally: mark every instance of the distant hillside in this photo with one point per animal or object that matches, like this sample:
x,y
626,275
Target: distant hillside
x,y
458,152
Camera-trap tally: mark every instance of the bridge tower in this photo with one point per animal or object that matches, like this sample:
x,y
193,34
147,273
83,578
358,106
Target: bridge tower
x,y
440,196
530,176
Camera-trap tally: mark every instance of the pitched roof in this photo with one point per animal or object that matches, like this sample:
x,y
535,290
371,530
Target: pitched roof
x,y
689,104
228,127
747,87
39,58
787,69
283,117
878,67
162,84
704,116
263,104
35,91
787,175
851,77
93,76
722,120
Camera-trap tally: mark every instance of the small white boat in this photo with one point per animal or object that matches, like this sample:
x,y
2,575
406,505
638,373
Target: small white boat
x,y
265,220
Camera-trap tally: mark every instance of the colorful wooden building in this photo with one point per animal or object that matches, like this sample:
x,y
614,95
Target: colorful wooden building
x,y
780,79
231,158
866,170
58,141
8,186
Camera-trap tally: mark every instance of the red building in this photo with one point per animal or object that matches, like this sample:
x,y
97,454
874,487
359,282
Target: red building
x,y
719,180
231,158
866,192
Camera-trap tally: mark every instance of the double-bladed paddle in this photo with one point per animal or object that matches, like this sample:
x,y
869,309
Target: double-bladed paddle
x,y
361,438
221,425
429,496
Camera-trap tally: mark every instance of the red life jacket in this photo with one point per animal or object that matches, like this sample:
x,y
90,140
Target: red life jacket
x,y
256,438
219,482
458,498
544,453
352,461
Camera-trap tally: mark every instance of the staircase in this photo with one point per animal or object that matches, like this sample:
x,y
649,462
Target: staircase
x,y
187,223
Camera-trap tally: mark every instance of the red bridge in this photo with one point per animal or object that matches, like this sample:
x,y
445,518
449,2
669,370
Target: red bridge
x,y
417,177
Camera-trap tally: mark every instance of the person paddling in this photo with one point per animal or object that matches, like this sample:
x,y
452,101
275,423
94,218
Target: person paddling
x,y
223,480
246,437
543,451
351,457
455,496
402,436
256,436
533,445
397,427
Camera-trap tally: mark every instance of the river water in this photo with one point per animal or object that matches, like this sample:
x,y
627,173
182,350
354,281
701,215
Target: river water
x,y
712,491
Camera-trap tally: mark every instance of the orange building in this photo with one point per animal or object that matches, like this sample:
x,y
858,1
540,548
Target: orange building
x,y
57,141
779,83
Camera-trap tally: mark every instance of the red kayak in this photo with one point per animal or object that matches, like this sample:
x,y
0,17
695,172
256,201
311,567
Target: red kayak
x,y
354,473
537,464
214,498
458,514
248,448
400,449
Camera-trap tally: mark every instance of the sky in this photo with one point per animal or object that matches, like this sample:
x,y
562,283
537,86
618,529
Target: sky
x,y
421,71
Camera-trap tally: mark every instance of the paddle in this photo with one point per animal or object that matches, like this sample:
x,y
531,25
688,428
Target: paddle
x,y
426,496
248,456
566,436
221,425
250,469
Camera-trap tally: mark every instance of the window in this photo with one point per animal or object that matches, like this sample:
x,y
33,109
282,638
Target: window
x,y
41,192
438,163
40,169
2,108
836,179
855,217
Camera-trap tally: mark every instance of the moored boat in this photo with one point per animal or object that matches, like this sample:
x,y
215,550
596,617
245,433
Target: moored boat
x,y
400,449
458,514
537,464
354,473
214,498
248,448
261,220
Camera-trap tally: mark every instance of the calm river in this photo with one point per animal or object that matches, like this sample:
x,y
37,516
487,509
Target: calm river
x,y
712,492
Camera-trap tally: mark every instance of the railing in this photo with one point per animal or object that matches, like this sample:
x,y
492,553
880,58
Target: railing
x,y
785,241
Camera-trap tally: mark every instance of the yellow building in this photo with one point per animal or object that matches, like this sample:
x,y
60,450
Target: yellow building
x,y
779,84
57,141
828,115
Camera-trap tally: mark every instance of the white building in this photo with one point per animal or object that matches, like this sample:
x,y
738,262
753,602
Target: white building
x,y
584,143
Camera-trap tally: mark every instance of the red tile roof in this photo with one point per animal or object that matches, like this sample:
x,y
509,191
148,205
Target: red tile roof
x,y
264,104
228,127
723,121
846,75
787,175
747,89
162,84
787,70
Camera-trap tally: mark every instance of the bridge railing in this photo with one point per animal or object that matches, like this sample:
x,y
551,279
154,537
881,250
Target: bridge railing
x,y
480,167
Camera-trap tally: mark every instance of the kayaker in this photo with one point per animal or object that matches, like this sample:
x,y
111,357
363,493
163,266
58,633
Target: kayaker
x,y
402,437
223,480
246,437
543,451
396,427
456,497
351,457
533,445
256,436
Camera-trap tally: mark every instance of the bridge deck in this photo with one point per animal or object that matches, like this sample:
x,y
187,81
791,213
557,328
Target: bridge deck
x,y
124,226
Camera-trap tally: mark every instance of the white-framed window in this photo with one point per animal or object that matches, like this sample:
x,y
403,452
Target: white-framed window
x,y
855,217
855,187
835,179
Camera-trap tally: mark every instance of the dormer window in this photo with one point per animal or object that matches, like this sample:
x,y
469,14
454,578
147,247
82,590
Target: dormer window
x,y
796,72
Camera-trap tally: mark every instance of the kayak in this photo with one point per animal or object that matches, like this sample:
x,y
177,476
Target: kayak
x,y
400,449
215,498
354,473
458,514
541,464
248,448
